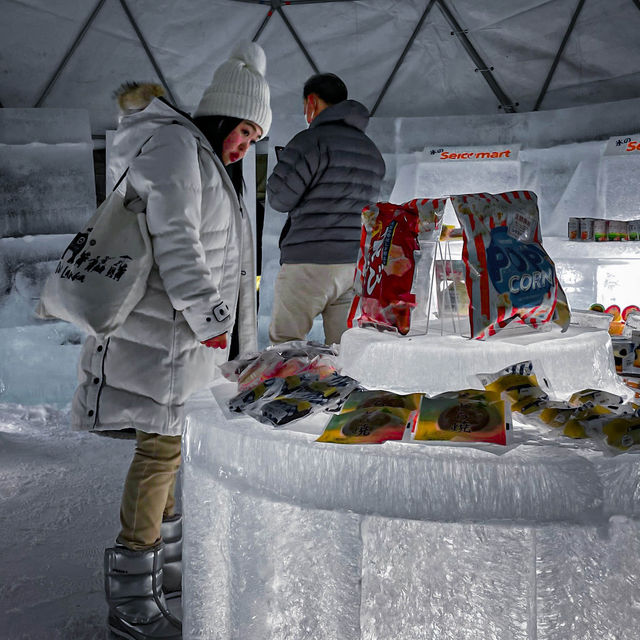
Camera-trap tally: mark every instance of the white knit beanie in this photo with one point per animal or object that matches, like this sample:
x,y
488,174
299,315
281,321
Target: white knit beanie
x,y
239,89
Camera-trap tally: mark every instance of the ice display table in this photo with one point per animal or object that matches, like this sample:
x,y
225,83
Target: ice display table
x,y
290,539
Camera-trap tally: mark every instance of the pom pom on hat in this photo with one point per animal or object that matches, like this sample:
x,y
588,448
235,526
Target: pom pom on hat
x,y
239,88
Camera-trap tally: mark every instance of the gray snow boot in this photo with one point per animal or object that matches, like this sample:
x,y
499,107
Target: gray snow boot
x,y
133,586
171,534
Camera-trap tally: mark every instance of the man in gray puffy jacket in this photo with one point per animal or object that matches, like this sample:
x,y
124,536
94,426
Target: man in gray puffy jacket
x,y
323,179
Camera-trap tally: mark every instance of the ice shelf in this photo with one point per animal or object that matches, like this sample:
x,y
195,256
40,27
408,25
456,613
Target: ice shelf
x,y
578,359
288,538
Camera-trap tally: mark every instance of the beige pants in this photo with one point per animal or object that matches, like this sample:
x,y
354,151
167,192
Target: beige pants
x,y
303,291
148,494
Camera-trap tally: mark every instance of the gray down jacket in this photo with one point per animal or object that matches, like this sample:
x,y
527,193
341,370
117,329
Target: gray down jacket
x,y
203,268
324,178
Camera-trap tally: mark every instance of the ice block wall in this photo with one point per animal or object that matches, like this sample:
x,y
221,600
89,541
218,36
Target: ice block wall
x,y
46,193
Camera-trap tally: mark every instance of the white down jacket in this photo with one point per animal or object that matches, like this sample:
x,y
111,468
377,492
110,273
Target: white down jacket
x,y
203,269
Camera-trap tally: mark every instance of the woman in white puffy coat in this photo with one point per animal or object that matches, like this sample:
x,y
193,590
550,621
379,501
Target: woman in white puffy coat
x,y
202,284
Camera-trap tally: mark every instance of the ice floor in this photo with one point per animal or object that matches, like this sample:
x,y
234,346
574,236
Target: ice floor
x,y
59,500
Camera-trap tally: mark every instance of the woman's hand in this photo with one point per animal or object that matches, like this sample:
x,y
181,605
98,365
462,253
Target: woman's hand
x,y
219,342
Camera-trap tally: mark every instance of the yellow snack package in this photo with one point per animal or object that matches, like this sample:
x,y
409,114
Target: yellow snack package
x,y
520,384
595,397
468,416
372,417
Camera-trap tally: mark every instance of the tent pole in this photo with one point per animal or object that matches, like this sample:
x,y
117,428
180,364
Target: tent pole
x,y
297,39
262,26
559,53
145,46
403,55
69,53
505,102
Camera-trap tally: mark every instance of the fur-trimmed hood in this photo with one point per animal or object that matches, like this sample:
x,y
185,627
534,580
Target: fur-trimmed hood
x,y
136,96
139,124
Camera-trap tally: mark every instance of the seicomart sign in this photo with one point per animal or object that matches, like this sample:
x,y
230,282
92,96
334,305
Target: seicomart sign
x,y
623,145
448,154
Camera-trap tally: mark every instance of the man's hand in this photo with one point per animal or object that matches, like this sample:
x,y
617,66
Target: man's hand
x,y
219,342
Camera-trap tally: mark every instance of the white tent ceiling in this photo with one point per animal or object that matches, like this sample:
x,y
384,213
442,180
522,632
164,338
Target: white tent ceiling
x,y
451,57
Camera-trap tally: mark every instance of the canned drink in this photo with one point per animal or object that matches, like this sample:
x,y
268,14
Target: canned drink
x,y
600,227
586,229
633,227
574,228
618,230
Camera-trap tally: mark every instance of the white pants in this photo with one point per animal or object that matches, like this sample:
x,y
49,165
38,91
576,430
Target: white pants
x,y
303,291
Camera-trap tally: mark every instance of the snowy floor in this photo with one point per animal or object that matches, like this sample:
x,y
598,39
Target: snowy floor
x,y
59,500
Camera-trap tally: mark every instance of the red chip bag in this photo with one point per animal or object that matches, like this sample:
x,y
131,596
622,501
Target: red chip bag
x,y
510,277
393,274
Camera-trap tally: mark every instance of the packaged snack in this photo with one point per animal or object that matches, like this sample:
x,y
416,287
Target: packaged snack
x,y
586,421
393,274
600,229
617,324
286,359
372,417
367,426
586,229
622,432
554,413
232,369
300,396
595,397
633,228
509,275
573,229
363,399
618,231
468,416
247,398
520,384
623,351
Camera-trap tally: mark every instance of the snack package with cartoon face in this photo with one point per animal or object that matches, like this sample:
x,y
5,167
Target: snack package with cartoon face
x,y
394,268
372,417
300,396
518,382
468,416
509,277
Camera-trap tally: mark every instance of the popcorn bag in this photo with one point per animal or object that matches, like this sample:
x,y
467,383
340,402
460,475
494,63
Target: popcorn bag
x,y
510,277
395,262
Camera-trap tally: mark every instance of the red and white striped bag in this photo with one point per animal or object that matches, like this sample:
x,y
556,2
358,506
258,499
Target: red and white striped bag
x,y
509,275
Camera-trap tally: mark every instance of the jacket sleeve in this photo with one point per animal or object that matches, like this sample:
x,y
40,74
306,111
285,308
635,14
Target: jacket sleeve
x,y
166,176
294,172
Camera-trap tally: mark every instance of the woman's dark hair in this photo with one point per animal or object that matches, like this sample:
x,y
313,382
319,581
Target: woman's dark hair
x,y
326,86
215,130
